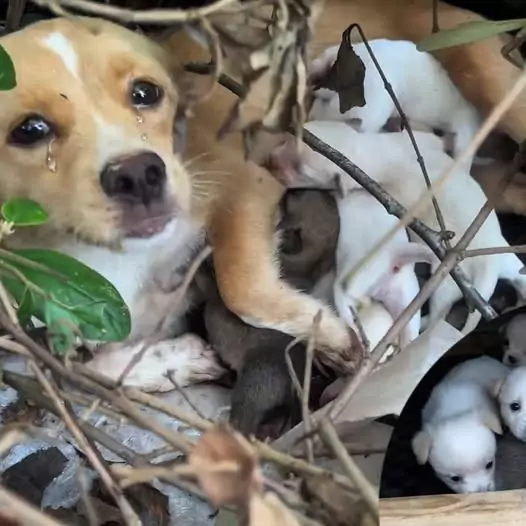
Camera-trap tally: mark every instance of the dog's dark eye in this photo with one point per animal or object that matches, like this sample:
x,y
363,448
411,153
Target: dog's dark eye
x,y
291,243
145,94
489,465
31,131
512,360
456,478
515,406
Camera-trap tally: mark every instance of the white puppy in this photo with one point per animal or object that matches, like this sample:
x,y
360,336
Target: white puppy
x,y
389,277
511,393
459,422
515,341
389,159
421,85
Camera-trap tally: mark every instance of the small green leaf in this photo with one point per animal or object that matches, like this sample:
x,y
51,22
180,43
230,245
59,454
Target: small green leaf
x,y
91,300
469,32
25,308
7,71
61,326
24,212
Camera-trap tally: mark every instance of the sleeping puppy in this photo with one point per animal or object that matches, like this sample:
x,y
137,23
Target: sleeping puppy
x,y
433,99
514,333
389,277
398,172
511,394
459,422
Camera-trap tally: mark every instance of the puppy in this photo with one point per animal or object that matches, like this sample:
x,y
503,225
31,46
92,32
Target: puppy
x,y
389,277
459,422
431,99
511,395
514,333
308,233
399,173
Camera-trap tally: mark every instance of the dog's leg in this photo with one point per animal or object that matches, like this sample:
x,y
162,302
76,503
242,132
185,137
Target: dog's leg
x,y
248,278
188,358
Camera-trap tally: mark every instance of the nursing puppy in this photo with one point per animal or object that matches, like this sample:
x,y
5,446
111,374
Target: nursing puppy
x,y
511,395
459,422
399,173
389,277
431,98
514,333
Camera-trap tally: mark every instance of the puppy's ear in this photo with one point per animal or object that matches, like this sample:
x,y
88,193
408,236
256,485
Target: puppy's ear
x,y
492,421
412,253
497,387
421,445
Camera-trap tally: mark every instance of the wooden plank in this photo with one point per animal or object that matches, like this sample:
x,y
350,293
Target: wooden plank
x,y
476,509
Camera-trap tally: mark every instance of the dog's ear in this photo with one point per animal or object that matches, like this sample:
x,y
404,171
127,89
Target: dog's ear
x,y
497,387
492,421
421,445
411,253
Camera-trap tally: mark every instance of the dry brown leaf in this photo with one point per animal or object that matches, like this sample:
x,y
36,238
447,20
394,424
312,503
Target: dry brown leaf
x,y
336,505
226,466
267,510
346,77
271,65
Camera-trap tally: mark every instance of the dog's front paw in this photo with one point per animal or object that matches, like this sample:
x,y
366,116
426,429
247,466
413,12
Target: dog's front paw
x,y
339,346
185,360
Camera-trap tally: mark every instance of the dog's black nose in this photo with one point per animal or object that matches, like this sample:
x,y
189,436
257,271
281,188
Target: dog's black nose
x,y
140,178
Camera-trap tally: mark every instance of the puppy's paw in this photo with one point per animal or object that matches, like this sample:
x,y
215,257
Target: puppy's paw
x,y
187,360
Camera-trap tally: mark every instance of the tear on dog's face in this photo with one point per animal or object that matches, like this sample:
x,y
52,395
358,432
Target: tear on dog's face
x,y
511,394
514,345
461,451
88,131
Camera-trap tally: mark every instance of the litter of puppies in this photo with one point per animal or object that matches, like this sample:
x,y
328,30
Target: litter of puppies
x,y
292,238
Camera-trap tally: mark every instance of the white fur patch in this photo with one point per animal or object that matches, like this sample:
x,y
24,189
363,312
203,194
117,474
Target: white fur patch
x,y
60,45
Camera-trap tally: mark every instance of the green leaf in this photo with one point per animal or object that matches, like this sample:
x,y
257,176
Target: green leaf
x,y
25,308
7,71
61,326
469,32
226,518
24,212
53,277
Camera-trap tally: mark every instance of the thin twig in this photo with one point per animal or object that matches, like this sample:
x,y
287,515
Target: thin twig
x,y
147,16
307,378
13,508
91,513
92,455
331,439
171,377
444,233
515,249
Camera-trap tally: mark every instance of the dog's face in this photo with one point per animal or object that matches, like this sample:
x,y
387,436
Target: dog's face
x,y
462,451
88,130
512,400
514,344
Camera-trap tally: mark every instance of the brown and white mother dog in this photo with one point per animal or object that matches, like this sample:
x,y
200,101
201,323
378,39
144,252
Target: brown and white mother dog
x,y
88,133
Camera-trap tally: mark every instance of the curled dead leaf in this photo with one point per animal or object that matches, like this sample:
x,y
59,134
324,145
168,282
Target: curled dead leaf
x,y
267,510
226,466
346,76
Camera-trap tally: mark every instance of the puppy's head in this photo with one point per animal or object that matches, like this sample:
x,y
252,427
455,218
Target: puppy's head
x,y
461,451
88,130
514,344
511,393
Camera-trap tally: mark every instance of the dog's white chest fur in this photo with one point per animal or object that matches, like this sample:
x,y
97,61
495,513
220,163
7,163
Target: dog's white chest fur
x,y
145,271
